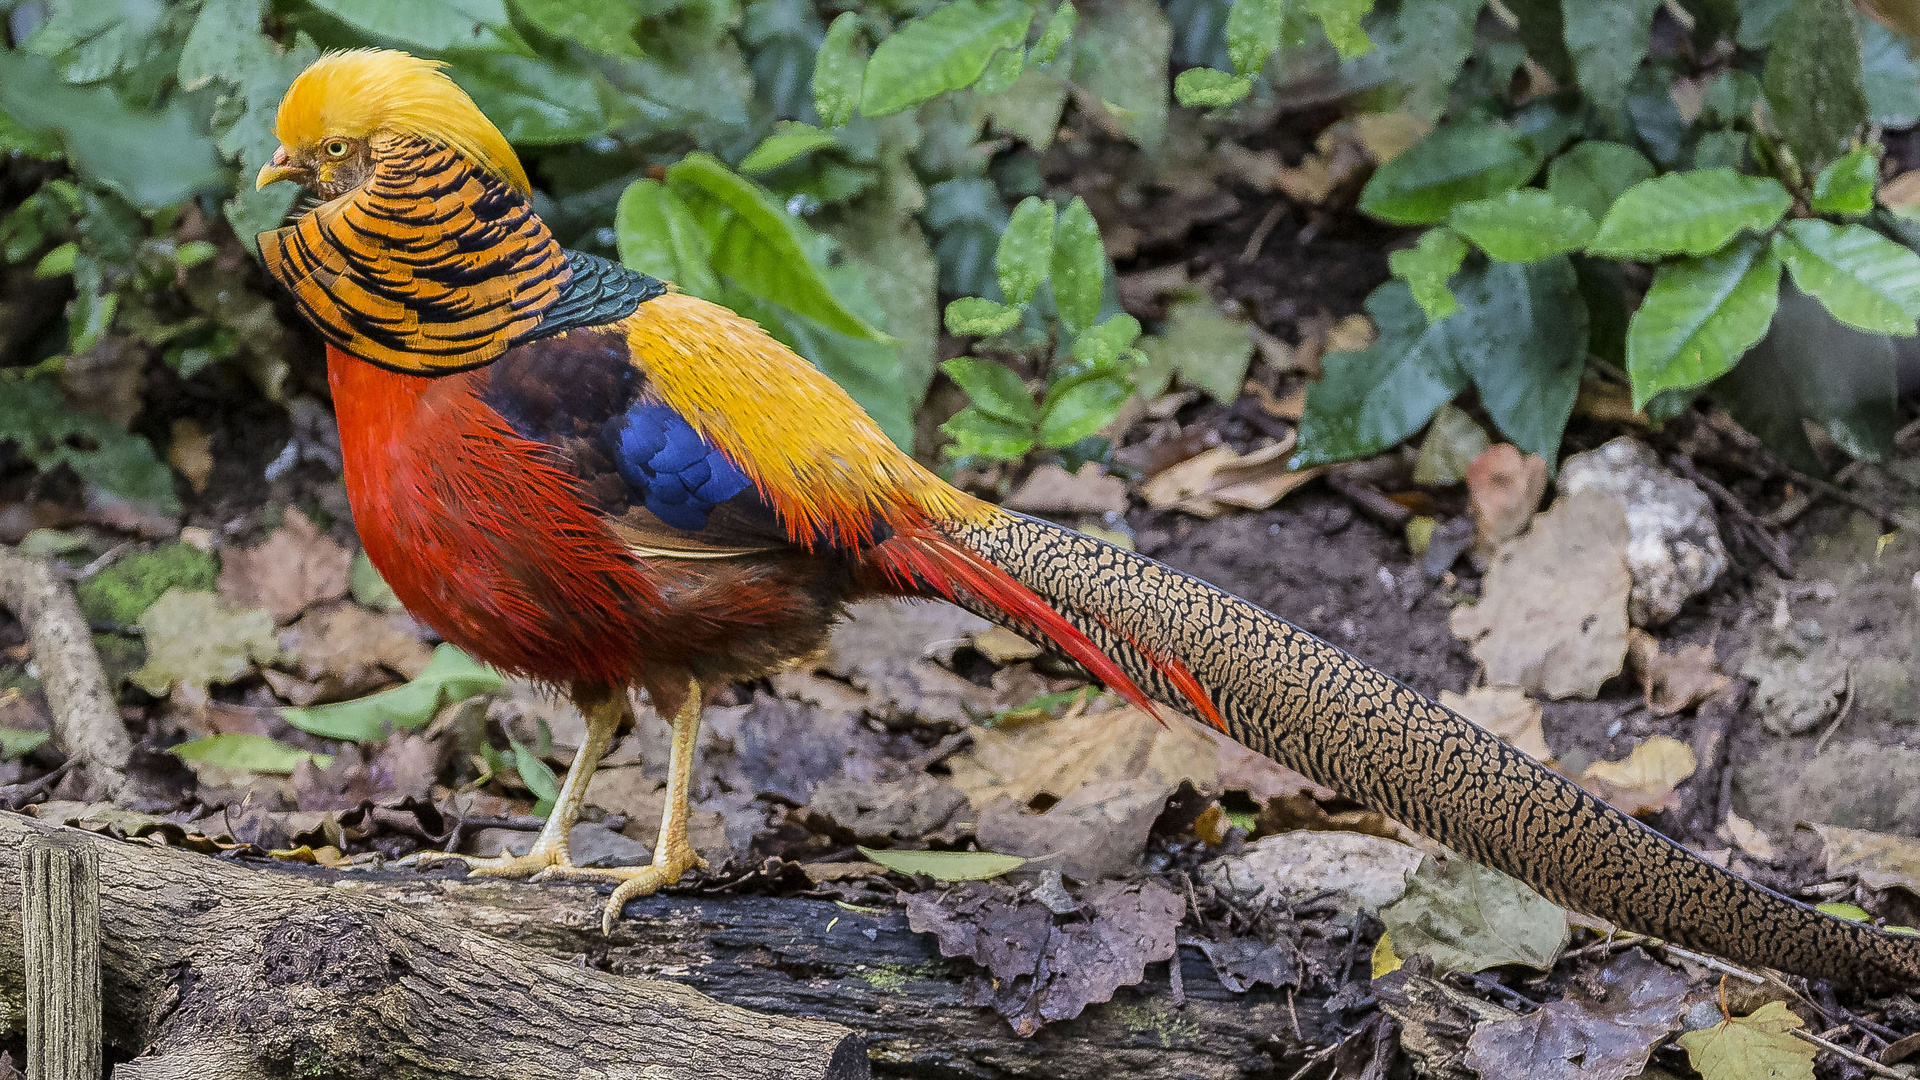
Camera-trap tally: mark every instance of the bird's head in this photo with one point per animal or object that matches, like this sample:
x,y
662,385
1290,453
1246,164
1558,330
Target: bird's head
x,y
333,114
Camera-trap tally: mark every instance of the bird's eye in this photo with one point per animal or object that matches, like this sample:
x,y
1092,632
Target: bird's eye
x,y
337,148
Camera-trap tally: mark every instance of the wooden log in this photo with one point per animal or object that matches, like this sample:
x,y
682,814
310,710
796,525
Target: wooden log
x,y
86,717
215,970
60,925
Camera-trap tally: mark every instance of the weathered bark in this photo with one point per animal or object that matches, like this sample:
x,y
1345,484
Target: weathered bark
x,y
218,971
86,719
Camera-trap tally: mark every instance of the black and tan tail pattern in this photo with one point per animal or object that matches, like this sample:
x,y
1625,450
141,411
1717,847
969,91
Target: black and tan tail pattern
x,y
1313,708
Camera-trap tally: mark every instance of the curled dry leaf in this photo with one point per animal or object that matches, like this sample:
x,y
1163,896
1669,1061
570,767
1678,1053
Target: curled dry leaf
x,y
1607,1036
1361,872
1749,837
1553,610
295,567
1219,479
1504,487
1880,861
1050,489
190,450
1506,711
1645,781
1675,681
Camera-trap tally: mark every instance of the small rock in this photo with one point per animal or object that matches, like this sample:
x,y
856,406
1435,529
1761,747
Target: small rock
x,y
593,844
1362,871
1673,537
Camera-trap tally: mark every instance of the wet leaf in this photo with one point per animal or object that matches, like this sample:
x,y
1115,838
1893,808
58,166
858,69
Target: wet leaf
x,y
1645,781
1592,174
1604,1037
433,25
1025,255
251,753
1846,186
1376,397
295,567
451,676
839,69
1522,225
197,638
1427,266
1608,39
1812,80
947,865
1750,1047
790,141
601,25
1079,266
1468,917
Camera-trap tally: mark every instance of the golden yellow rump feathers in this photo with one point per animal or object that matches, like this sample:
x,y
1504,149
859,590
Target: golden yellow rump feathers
x,y
356,93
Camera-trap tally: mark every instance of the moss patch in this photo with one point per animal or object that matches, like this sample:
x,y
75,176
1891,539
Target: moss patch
x,y
121,593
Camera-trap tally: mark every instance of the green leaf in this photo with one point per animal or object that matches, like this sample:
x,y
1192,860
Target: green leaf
x,y
1426,267
839,69
1700,317
1468,917
153,158
790,140
1030,109
1079,266
1058,33
1811,367
1607,39
538,776
1890,76
535,101
1849,912
1521,335
1452,443
368,587
57,262
1522,225
1430,41
1101,345
1002,72
974,316
1254,29
1372,399
994,389
946,865
1812,81
1207,349
1456,163
35,416
432,25
758,245
1863,278
946,49
1025,255
252,753
1121,58
1730,97
605,26
1846,185
15,743
449,677
1206,88
658,235
1341,21
1688,213
977,434
1081,405
1593,174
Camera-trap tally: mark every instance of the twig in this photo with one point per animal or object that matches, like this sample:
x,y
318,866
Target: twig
x,y
1261,232
1705,961
1846,706
1860,1060
1318,1057
86,718
1368,500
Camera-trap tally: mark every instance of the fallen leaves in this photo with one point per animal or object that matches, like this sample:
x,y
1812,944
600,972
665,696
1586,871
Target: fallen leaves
x,y
1553,611
196,638
295,567
1644,782
947,865
1505,711
1220,479
1676,681
1050,489
339,650
248,753
1760,1046
887,648
1504,487
1040,967
1606,1035
450,676
1469,917
1878,860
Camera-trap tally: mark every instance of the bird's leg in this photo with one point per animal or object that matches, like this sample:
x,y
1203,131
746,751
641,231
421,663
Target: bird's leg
x,y
672,855
549,852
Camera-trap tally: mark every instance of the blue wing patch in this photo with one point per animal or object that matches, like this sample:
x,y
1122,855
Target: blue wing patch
x,y
670,469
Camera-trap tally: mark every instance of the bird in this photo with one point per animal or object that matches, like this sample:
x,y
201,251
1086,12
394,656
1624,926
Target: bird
x,y
580,475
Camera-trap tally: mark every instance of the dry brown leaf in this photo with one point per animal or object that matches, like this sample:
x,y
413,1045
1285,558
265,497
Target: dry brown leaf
x,y
190,450
1902,190
1384,135
1879,860
1050,489
1674,681
1216,480
1606,400
887,649
1504,487
297,566
1644,782
1749,837
1553,610
1505,711
1003,646
340,650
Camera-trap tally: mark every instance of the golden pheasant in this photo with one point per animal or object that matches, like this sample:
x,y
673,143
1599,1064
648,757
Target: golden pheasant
x,y
577,474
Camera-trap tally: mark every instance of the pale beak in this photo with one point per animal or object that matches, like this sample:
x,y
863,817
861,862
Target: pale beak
x,y
280,168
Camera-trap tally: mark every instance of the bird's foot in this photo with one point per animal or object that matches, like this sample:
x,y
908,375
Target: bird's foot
x,y
630,882
534,865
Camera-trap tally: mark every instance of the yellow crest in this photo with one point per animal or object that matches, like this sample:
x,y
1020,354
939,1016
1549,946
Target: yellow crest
x,y
356,93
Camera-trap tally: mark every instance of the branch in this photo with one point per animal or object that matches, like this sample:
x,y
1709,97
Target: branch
x,y
211,969
86,718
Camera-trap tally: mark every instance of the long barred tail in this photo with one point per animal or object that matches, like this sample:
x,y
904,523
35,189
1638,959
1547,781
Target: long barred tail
x,y
1313,708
